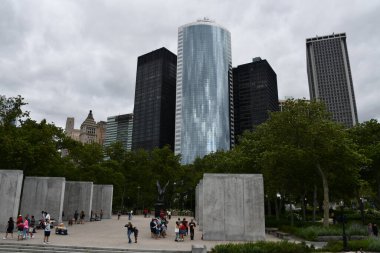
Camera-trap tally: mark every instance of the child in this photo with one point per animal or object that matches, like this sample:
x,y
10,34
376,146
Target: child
x,y
136,233
10,228
47,231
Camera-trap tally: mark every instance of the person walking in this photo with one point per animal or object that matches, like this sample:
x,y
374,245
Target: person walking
x,y
130,231
369,229
192,226
82,215
375,230
32,226
20,227
176,230
118,215
10,228
26,227
76,215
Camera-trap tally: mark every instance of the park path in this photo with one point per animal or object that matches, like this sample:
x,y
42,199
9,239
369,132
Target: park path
x,y
111,233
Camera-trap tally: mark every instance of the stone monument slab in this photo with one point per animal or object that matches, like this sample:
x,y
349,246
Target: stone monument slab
x,y
102,200
233,207
78,196
10,191
43,194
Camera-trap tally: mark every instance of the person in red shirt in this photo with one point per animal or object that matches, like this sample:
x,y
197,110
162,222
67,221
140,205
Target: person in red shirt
x,y
20,227
182,231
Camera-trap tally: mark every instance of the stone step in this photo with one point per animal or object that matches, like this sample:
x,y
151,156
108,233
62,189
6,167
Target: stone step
x,y
14,247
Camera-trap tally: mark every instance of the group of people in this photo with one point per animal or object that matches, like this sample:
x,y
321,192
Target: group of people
x,y
77,216
182,229
158,227
132,229
373,230
26,227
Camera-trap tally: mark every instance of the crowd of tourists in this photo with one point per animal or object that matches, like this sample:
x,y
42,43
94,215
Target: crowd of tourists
x,y
26,227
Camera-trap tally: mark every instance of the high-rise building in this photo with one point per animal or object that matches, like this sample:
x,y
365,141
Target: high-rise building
x,y
119,128
204,102
154,112
100,132
329,74
255,94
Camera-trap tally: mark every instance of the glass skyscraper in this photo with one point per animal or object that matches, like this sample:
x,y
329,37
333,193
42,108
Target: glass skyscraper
x,y
204,102
119,128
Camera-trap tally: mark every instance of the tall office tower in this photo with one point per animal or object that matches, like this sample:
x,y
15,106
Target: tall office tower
x,y
154,112
119,128
204,102
255,94
329,74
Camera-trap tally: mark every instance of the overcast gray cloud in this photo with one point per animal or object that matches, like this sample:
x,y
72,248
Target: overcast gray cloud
x,y
69,56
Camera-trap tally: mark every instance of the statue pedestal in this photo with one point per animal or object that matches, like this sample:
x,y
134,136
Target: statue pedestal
x,y
157,208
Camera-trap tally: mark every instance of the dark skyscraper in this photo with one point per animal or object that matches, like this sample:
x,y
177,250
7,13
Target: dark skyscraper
x,y
329,74
154,112
255,93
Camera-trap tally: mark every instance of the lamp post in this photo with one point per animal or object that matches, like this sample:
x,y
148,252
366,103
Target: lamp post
x,y
344,236
173,199
138,196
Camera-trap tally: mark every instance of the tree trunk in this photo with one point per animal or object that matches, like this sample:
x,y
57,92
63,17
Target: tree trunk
x,y
276,209
326,200
315,203
303,203
269,207
361,207
291,214
378,193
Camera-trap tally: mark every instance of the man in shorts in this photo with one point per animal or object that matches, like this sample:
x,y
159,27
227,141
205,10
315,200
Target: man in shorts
x,y
47,231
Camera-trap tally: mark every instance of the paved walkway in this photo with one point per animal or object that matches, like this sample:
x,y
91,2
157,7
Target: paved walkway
x,y
111,233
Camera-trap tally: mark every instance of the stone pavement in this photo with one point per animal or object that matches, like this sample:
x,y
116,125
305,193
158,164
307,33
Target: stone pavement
x,y
111,233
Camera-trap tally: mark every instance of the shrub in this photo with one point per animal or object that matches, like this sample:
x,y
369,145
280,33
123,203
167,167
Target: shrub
x,y
356,229
262,247
311,233
371,244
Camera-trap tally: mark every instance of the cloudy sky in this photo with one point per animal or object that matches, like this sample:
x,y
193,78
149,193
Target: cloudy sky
x,y
66,57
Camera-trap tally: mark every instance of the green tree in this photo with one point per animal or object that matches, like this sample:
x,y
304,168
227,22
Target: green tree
x,y
367,136
299,143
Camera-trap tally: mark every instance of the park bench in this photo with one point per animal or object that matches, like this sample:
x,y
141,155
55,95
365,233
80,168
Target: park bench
x,y
281,235
271,231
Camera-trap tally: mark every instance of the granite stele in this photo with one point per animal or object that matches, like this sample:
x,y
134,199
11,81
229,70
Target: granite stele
x,y
78,197
10,191
102,199
43,194
233,207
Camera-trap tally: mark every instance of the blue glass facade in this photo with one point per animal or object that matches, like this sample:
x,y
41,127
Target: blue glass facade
x,y
204,90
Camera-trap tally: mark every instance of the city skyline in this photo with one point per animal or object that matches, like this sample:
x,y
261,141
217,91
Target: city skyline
x,y
66,58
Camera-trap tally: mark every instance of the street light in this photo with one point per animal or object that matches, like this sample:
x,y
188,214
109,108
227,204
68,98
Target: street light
x,y
344,236
138,196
